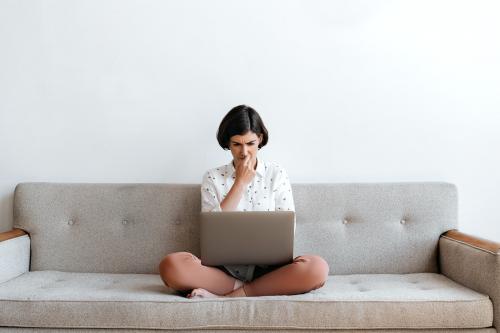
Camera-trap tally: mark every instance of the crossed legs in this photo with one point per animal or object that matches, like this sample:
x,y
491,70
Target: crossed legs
x,y
183,271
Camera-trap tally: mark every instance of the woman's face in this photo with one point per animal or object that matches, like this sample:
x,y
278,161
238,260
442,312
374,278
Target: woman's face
x,y
243,145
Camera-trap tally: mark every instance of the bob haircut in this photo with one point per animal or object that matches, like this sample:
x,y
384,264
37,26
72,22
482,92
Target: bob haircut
x,y
238,121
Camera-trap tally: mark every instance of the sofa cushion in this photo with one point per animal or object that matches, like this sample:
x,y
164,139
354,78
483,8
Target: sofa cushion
x,y
130,228
104,300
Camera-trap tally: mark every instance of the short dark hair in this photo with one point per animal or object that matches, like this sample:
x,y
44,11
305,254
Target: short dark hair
x,y
238,121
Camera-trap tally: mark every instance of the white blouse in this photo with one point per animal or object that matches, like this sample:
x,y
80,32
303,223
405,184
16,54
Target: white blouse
x,y
270,189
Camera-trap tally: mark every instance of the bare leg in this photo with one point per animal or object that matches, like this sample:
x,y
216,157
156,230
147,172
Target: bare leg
x,y
183,271
305,273
237,292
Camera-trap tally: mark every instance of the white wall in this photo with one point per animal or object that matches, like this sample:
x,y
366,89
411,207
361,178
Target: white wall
x,y
351,91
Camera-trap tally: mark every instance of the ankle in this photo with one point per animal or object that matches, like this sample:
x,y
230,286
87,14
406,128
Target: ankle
x,y
240,292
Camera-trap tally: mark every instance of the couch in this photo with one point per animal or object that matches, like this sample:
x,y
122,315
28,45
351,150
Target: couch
x,y
83,257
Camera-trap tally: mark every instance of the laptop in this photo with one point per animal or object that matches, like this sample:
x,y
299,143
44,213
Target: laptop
x,y
247,237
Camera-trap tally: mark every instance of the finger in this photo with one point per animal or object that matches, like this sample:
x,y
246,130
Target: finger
x,y
250,164
246,160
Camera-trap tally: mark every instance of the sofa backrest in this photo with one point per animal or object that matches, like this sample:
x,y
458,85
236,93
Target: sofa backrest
x,y
129,228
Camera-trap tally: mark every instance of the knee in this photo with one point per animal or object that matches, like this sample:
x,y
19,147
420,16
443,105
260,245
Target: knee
x,y
316,272
171,268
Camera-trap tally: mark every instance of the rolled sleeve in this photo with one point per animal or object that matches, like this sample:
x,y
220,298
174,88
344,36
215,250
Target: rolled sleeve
x,y
283,197
209,200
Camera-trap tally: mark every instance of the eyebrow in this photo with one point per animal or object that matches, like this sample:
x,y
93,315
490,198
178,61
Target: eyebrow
x,y
247,142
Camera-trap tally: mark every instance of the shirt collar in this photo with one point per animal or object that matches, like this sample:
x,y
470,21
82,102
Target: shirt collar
x,y
260,168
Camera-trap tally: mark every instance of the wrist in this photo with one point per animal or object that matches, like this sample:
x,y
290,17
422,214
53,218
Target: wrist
x,y
239,184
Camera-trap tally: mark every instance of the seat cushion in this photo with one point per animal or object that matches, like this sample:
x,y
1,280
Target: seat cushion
x,y
104,300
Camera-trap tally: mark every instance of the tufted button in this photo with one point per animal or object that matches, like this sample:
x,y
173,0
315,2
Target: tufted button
x,y
71,222
402,221
345,221
124,222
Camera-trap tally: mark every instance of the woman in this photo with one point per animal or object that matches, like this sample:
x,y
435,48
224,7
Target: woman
x,y
247,183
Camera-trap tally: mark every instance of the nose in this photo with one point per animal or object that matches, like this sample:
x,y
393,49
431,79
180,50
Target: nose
x,y
245,151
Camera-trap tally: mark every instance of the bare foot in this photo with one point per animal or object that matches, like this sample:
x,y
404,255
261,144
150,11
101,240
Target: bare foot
x,y
201,293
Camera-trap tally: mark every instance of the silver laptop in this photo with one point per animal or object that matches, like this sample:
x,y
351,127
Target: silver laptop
x,y
246,238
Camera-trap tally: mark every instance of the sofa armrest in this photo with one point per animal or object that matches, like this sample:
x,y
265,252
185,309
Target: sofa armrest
x,y
473,262
14,254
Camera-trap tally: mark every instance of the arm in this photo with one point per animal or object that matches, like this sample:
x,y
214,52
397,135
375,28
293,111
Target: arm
x,y
14,254
283,199
233,197
210,201
473,262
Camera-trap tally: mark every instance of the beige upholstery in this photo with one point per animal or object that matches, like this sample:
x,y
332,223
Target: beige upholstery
x,y
129,228
95,249
226,330
474,268
418,300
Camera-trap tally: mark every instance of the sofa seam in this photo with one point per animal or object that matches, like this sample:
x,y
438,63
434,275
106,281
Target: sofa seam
x,y
484,299
256,327
470,245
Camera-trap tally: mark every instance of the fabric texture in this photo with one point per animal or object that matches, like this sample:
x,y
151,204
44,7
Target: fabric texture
x,y
269,190
131,330
359,301
472,267
129,228
95,250
14,257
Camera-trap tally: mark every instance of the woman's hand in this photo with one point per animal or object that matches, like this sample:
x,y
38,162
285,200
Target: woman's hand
x,y
245,171
244,175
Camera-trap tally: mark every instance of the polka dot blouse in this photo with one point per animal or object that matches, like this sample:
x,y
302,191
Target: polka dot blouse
x,y
270,189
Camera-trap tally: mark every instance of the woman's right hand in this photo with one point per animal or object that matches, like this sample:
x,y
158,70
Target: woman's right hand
x,y
245,171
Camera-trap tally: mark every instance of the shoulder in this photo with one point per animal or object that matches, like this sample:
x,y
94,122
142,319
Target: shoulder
x,y
213,175
276,174
276,168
